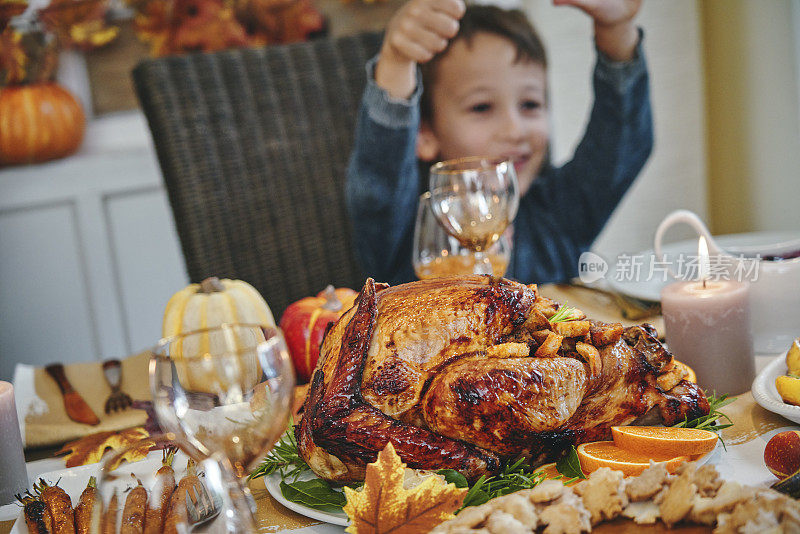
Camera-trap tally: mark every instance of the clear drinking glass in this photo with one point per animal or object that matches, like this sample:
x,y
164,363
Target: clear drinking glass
x,y
437,253
475,199
226,393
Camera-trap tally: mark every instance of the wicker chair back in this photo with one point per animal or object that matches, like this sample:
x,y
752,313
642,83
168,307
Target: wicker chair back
x,y
253,145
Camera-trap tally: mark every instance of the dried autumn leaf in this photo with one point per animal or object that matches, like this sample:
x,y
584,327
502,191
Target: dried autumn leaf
x,y
92,34
153,23
90,449
78,23
205,25
384,506
10,9
12,58
281,21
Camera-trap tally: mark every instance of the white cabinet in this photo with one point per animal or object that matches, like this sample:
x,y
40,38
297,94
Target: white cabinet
x,y
88,250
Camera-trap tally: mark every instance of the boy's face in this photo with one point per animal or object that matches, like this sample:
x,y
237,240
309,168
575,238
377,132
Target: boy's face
x,y
487,104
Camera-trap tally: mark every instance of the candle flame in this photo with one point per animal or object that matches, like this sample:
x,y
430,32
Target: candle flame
x,y
704,263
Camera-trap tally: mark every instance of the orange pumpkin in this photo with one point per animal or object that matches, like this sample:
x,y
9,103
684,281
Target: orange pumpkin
x,y
304,324
38,122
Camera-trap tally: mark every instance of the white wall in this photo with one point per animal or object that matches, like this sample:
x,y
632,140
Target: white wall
x,y
89,254
774,135
674,177
752,54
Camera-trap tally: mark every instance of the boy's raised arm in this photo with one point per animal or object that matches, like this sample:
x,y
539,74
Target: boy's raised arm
x,y
615,34
581,195
418,31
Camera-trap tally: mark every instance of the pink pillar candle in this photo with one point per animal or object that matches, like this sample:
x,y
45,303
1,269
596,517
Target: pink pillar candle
x,y
708,329
13,474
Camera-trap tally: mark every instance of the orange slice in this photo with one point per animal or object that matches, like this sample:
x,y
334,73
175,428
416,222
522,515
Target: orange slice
x,y
599,454
691,376
664,441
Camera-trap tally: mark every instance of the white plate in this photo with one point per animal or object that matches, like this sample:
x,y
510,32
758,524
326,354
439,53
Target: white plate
x,y
73,480
273,481
715,452
273,485
765,393
649,288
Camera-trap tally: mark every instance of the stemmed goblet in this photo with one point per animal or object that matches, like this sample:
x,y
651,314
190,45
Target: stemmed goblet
x,y
475,199
226,393
437,253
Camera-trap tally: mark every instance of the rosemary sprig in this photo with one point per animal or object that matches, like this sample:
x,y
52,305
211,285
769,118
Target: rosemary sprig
x,y
712,421
283,457
515,476
564,313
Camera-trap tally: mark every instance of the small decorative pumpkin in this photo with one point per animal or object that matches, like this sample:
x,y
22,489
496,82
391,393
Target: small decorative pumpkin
x,y
305,321
39,122
206,305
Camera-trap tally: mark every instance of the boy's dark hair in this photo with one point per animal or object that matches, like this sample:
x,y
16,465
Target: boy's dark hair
x,y
510,24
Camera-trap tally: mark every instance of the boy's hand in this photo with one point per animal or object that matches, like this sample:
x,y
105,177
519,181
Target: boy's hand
x,y
614,32
417,32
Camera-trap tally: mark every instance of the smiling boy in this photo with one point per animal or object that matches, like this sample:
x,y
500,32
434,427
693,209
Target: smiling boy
x,y
485,93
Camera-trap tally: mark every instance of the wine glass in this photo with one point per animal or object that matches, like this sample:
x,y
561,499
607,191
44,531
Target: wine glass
x,y
437,253
226,393
475,199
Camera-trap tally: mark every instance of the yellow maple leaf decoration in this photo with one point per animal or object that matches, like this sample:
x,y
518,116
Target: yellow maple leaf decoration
x,y
90,449
383,506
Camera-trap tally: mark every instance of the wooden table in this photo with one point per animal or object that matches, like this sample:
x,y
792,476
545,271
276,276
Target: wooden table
x,y
742,461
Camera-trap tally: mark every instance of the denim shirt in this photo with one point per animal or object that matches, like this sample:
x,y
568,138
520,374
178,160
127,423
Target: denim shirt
x,y
559,217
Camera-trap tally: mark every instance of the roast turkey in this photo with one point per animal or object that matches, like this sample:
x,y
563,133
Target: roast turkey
x,y
463,372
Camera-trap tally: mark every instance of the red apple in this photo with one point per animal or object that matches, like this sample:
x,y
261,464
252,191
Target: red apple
x,y
305,321
782,453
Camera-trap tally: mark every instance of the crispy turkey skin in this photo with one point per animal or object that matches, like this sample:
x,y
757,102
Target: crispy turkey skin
x,y
461,372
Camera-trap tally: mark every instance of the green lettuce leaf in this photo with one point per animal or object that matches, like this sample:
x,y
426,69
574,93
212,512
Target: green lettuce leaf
x,y
315,493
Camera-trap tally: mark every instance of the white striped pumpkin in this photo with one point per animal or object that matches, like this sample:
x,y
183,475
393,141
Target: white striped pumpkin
x,y
206,305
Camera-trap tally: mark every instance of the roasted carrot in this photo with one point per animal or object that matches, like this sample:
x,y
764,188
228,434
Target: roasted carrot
x,y
59,506
109,523
134,511
160,494
87,511
190,484
37,519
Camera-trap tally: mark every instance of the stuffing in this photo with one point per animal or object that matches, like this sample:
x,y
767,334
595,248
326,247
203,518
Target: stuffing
x,y
566,515
706,509
642,512
676,502
546,491
603,494
707,480
694,495
500,522
646,485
